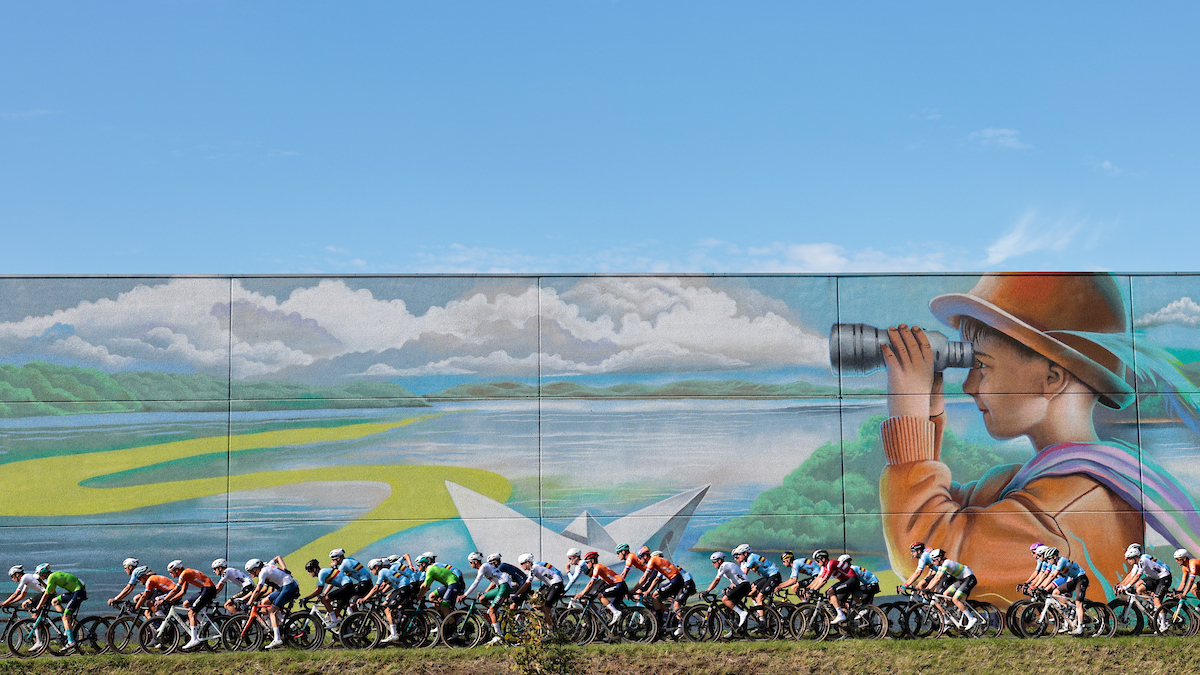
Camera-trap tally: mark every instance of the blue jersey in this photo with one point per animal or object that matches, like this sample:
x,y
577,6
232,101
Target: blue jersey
x,y
355,570
330,576
925,561
805,566
515,573
864,576
757,563
1067,568
394,579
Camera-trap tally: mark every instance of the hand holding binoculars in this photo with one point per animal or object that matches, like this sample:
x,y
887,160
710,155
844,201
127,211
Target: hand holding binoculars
x,y
854,349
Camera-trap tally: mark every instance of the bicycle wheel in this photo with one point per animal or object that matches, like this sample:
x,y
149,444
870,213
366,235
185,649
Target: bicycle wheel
x,y
1039,621
412,629
763,623
922,621
462,629
122,635
91,635
302,631
695,623
433,620
992,615
1097,620
895,617
573,626
362,630
58,645
869,622
1011,614
637,624
1176,617
241,633
784,610
1127,618
27,641
158,636
810,622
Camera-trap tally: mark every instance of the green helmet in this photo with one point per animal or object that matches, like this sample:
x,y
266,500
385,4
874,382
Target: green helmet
x,y
622,548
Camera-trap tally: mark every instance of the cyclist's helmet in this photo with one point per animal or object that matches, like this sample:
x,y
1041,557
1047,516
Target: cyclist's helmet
x,y
475,557
916,547
592,556
643,552
220,563
141,572
525,557
1182,554
1035,546
937,553
1134,551
845,558
656,554
16,569
130,562
429,554
337,553
741,548
424,560
253,564
494,559
44,568
820,555
374,562
1051,552
174,565
312,565
573,553
1041,551
622,548
788,555
717,556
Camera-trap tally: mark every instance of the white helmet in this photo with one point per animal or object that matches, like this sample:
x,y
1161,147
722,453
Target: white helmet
x,y
130,562
494,559
429,554
844,558
574,553
16,569
393,558
475,557
1041,551
374,562
253,564
525,557
220,562
717,555
337,553
141,572
742,548
656,554
1051,552
174,565
1180,554
937,553
1134,551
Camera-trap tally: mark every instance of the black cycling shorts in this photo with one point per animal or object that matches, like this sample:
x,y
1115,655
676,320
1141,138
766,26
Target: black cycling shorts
x,y
402,596
843,589
203,597
615,592
551,594
766,585
1076,588
71,601
340,597
451,593
962,588
736,593
1158,587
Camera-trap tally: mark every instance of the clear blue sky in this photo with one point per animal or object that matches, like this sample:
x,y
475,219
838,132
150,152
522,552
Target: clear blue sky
x,y
221,137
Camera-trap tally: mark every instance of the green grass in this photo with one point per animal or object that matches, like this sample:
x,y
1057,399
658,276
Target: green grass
x,y
1006,656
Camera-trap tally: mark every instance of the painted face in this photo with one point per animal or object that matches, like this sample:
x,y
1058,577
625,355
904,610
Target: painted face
x,y
1007,386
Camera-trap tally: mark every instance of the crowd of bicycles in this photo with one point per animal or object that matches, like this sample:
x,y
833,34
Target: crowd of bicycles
x,y
402,602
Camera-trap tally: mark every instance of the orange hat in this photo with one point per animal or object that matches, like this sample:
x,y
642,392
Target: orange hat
x,y
1035,309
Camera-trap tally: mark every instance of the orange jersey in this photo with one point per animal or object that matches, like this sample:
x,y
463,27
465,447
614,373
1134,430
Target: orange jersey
x,y
157,583
632,561
608,576
663,567
195,578
1192,567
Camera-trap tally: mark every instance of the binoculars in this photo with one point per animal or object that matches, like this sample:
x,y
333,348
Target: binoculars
x,y
854,349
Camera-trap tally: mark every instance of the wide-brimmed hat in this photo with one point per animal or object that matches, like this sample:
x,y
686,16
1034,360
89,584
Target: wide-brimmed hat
x,y
1036,309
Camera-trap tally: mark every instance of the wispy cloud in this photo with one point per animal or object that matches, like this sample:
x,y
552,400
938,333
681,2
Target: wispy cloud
x,y
1032,233
1182,312
926,114
1008,139
1109,168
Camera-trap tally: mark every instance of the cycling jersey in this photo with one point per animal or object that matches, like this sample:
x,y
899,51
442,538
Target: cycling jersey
x,y
492,574
515,573
63,580
195,578
605,574
865,576
442,575
733,572
31,581
545,573
332,577
355,570
1190,569
757,563
808,567
663,566
273,575
926,560
838,569
450,567
1151,568
952,568
157,583
392,578
632,562
1067,568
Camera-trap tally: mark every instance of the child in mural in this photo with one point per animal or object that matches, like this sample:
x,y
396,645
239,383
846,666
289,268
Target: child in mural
x,y
1048,349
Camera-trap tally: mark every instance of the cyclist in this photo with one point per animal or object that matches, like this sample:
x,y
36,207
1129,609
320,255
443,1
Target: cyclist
x,y
805,566
846,585
225,574
449,577
273,575
67,603
633,562
25,582
1189,568
206,590
739,585
1037,550
498,590
551,583
574,568
670,582
921,552
868,583
400,588
518,577
353,569
612,585
960,589
334,590
130,564
768,573
1155,577
156,586
1074,587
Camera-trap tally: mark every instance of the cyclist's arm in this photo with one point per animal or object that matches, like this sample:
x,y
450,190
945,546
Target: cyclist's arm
x,y
373,592
934,581
1131,577
1184,581
175,593
277,561
46,595
220,585
121,596
587,589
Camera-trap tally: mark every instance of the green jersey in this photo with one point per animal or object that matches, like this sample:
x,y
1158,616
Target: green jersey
x,y
441,575
68,582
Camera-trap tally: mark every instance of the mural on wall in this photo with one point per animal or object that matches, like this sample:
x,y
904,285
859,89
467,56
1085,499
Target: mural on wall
x,y
249,417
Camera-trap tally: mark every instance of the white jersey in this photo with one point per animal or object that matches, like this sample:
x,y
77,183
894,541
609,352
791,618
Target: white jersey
x,y
1152,568
545,574
235,576
31,581
273,575
732,572
492,574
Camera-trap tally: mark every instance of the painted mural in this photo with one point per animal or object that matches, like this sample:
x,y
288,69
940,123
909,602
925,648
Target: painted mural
x,y
244,417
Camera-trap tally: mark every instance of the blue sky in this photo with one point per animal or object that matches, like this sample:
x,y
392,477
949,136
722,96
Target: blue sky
x,y
217,137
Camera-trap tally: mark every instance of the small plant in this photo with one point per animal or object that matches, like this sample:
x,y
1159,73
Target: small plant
x,y
540,648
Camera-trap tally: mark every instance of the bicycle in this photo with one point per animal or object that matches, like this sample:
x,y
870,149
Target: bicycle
x,y
31,636
464,628
364,627
164,635
306,628
124,626
1056,615
583,623
1130,615
248,631
933,614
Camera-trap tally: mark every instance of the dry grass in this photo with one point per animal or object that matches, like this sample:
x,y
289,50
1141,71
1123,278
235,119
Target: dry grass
x,y
1146,656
